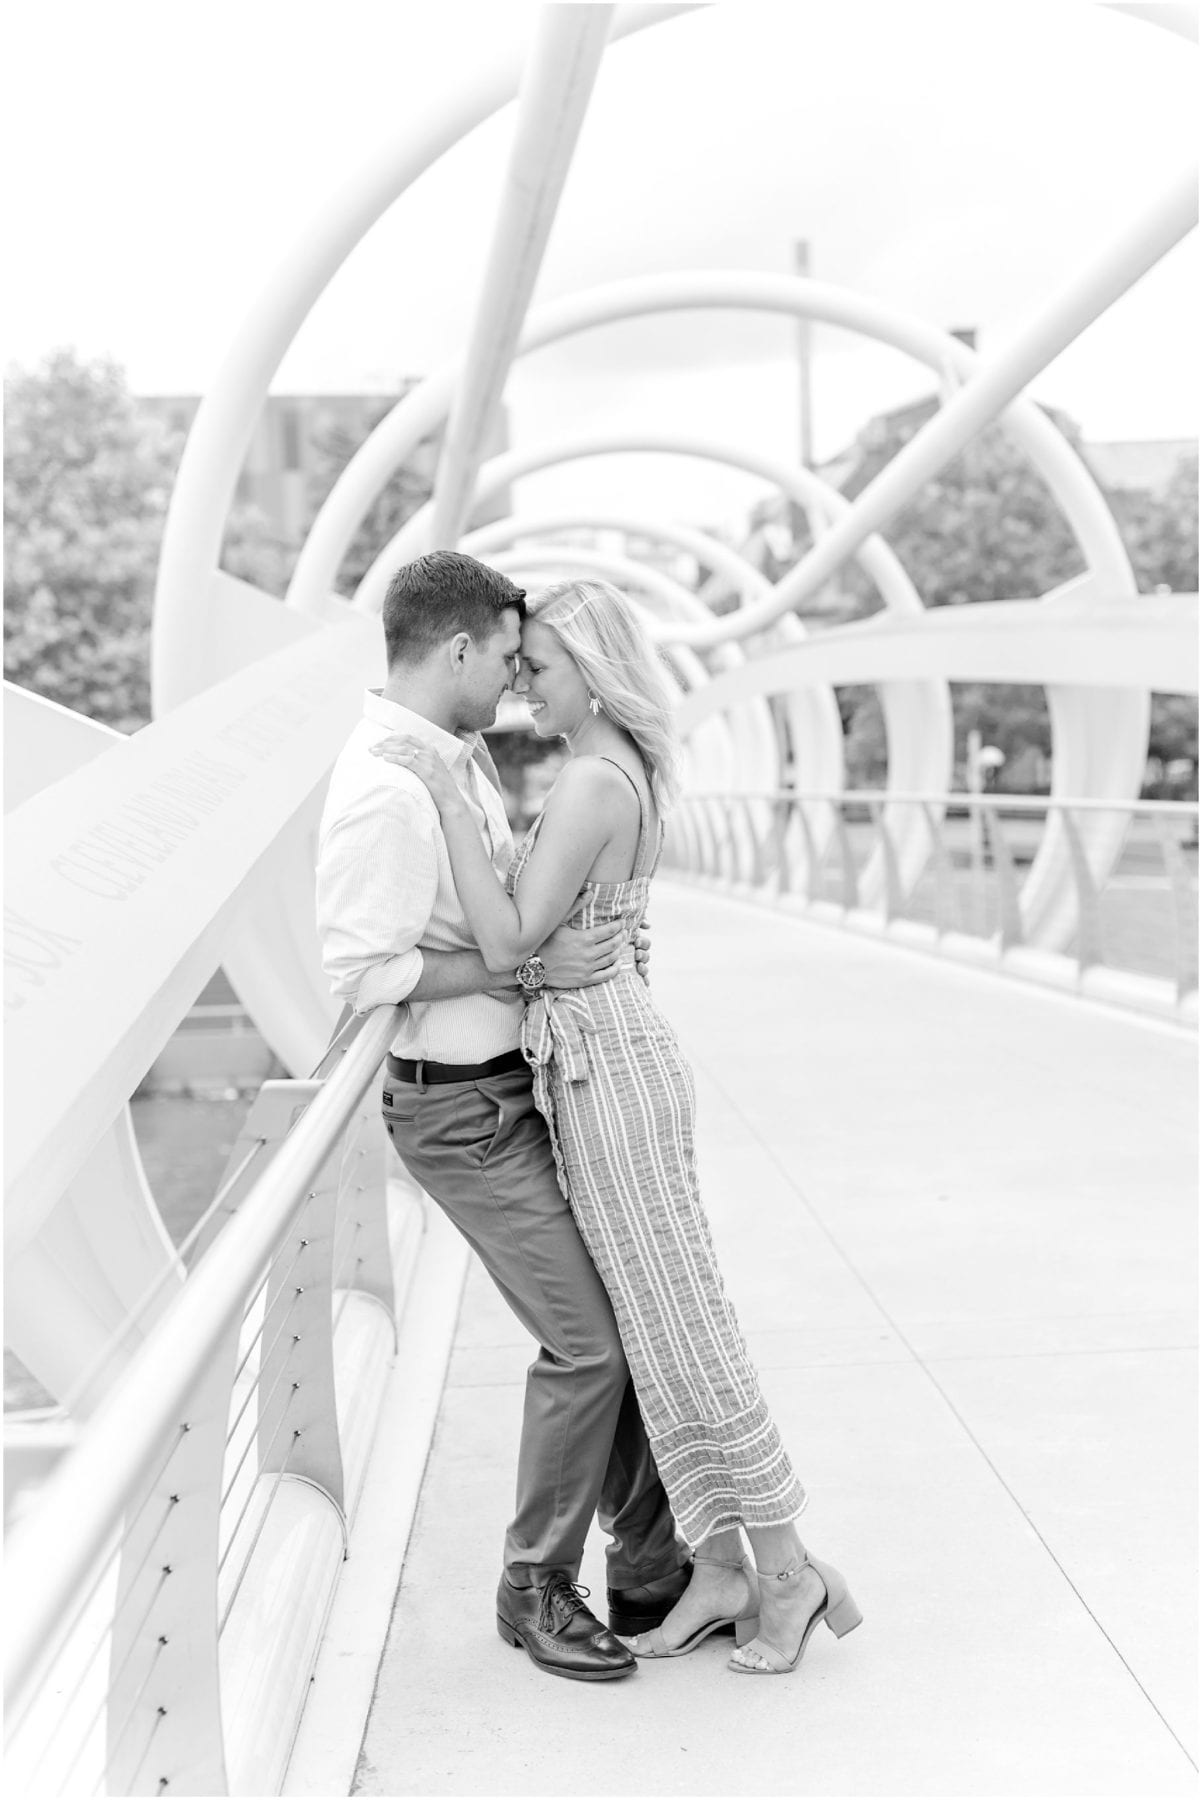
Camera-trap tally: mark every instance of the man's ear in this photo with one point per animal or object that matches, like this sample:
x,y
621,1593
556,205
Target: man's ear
x,y
459,647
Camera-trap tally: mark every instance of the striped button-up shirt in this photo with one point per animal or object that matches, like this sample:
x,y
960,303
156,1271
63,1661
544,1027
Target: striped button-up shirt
x,y
385,890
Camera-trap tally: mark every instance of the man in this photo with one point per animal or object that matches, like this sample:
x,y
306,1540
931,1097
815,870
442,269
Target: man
x,y
458,1106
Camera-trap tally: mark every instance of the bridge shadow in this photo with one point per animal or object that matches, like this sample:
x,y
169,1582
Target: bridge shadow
x,y
956,1216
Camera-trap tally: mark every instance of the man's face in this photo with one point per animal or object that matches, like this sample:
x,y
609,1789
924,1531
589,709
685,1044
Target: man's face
x,y
488,669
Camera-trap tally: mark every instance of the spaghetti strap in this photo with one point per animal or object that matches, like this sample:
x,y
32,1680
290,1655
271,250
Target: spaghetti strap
x,y
644,824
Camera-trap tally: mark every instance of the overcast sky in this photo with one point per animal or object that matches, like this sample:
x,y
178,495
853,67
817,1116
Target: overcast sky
x,y
958,159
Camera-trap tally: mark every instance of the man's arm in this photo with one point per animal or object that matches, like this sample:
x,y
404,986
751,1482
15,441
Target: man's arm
x,y
572,959
377,876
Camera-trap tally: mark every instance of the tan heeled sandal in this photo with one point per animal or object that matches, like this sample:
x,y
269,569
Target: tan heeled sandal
x,y
652,1644
838,1609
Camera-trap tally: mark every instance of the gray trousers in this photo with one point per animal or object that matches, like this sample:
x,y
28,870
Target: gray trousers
x,y
480,1150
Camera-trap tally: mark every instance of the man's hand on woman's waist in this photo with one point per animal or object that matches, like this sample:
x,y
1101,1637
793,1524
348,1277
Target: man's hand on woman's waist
x,y
582,958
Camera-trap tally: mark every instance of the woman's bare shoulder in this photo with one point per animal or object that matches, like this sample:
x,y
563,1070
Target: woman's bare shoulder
x,y
592,780
591,785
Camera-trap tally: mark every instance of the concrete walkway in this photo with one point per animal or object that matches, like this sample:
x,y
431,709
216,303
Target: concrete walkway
x,y
957,1218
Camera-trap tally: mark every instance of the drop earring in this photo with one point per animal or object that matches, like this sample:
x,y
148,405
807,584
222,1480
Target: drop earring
x,y
594,704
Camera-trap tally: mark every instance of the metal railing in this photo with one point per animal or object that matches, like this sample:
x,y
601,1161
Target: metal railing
x,y
143,1568
949,869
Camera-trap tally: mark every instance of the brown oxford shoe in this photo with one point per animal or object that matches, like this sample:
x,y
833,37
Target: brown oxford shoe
x,y
560,1634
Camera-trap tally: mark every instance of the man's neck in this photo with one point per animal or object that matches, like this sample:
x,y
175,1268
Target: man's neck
x,y
405,687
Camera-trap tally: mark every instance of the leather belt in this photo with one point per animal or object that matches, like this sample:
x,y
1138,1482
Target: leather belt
x,y
429,1073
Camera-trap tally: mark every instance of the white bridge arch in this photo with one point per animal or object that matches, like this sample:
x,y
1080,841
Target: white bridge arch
x,y
142,863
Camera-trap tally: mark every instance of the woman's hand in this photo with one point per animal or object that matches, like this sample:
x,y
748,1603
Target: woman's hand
x,y
642,950
411,753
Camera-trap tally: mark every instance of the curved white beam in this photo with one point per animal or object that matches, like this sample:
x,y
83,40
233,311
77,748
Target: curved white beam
x,y
557,85
424,409
1148,642
996,381
612,566
709,551
918,719
1099,740
224,425
752,758
101,1246
1108,738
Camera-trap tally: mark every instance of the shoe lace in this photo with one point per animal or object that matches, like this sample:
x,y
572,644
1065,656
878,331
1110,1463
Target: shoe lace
x,y
562,1600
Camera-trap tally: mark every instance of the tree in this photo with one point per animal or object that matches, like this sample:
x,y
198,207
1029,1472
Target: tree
x,y
86,480
988,528
406,492
1160,531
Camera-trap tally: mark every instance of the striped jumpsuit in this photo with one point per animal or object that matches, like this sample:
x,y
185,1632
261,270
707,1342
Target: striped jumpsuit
x,y
619,1101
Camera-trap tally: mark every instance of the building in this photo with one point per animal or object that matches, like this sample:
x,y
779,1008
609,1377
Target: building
x,y
1139,468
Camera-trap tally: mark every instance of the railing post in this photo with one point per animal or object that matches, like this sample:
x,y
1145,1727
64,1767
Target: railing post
x,y
363,1254
894,898
1010,924
813,884
757,848
297,1409
727,865
1185,906
1089,916
945,886
164,1722
711,856
847,860
781,819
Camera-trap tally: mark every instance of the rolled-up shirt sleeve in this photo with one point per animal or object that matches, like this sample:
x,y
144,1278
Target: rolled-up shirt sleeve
x,y
377,877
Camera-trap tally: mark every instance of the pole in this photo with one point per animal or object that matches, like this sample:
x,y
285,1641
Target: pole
x,y
805,389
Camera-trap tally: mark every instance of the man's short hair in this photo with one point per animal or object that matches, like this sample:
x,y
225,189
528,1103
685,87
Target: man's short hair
x,y
429,600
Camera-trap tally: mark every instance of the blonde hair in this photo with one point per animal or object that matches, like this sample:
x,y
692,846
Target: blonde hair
x,y
603,634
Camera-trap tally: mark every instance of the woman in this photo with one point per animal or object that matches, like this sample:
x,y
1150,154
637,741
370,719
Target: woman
x,y
618,1098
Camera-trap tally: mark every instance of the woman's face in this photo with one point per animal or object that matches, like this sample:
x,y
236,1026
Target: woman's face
x,y
550,682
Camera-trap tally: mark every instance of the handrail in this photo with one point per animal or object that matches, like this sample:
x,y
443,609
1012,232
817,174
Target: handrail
x,y
953,797
780,843
83,1505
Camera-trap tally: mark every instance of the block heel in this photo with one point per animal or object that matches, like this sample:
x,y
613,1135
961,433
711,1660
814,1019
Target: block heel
x,y
842,1614
759,1657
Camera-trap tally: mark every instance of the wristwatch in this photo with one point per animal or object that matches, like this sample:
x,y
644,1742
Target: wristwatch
x,y
531,975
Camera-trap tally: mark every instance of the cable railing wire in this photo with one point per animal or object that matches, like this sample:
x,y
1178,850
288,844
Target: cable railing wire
x,y
255,1385
132,1713
17,1720
163,1783
166,1276
134,1644
284,1371
58,1549
109,1627
280,1473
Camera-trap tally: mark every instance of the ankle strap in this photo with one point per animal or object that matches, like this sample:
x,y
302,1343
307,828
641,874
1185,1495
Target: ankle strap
x,y
794,1568
719,1562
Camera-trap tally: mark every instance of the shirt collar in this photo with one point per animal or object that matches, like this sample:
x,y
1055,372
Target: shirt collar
x,y
455,751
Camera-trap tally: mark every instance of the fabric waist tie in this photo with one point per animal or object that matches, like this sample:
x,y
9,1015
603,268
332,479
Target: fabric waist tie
x,y
555,1027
